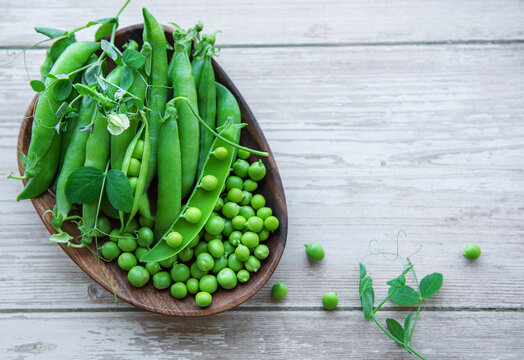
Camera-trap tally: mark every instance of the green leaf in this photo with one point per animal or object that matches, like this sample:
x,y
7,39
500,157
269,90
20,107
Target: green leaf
x,y
398,282
98,97
147,51
127,78
62,89
52,33
396,329
119,191
92,73
110,20
430,285
133,59
104,30
404,295
362,271
84,185
37,85
364,284
367,297
61,111
59,46
110,49
61,237
407,330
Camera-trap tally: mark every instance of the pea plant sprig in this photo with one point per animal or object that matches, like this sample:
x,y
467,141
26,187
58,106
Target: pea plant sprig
x,y
401,294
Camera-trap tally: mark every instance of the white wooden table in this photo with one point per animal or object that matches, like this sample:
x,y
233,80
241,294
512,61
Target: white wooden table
x,y
383,116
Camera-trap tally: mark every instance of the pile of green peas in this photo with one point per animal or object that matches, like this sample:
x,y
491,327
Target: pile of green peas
x,y
225,253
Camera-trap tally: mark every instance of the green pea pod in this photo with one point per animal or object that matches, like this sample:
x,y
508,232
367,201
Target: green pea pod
x,y
188,127
154,34
54,52
207,107
206,45
188,38
227,107
169,200
74,159
202,199
97,155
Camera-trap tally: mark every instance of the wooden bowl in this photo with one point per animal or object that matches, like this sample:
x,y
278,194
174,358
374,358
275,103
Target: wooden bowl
x,y
147,297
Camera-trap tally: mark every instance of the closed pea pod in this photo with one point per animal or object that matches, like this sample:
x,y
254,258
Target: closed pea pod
x,y
227,108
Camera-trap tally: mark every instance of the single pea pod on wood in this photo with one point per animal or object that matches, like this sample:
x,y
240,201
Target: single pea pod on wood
x,y
169,200
202,199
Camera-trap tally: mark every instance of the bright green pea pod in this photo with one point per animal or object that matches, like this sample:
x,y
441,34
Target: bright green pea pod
x,y
169,200
74,159
97,155
54,52
207,108
154,34
227,108
202,199
188,127
188,38
206,45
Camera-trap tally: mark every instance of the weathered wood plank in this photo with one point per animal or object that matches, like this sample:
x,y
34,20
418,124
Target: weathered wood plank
x,y
268,334
286,22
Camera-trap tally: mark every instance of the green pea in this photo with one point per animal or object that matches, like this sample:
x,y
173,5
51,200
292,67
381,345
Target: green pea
x,y
192,286
140,251
200,248
168,263
114,235
215,248
205,262
208,237
234,182
263,235
314,251
186,254
261,252
243,276
179,290
235,195
138,151
252,264
193,215
208,283
196,272
209,182
234,264
104,226
243,154
145,236
162,280
235,238
330,300
133,181
255,224
145,222
246,198
110,250
134,167
246,211
250,239
180,273
250,185
240,168
238,222
174,239
258,202
227,278
257,171
220,263
471,251
264,212
279,290
242,252
220,153
138,276
228,228
271,223
153,267
215,225
203,299
230,210
219,204
127,242
228,248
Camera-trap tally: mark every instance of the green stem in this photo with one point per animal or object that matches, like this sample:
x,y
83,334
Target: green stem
x,y
384,301
394,338
415,321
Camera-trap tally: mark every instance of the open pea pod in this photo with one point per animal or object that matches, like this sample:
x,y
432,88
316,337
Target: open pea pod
x,y
202,199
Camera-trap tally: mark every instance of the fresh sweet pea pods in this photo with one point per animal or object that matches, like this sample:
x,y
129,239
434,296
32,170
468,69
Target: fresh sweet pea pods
x,y
201,203
53,53
207,108
188,38
169,199
207,44
154,34
227,108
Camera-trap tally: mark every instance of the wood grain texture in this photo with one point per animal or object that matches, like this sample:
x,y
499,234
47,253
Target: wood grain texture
x,y
256,334
433,148
285,22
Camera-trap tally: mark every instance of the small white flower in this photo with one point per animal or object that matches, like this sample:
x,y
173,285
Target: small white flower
x,y
117,123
